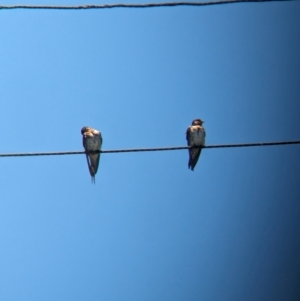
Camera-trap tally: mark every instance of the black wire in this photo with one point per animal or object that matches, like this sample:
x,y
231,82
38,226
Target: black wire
x,y
131,150
137,5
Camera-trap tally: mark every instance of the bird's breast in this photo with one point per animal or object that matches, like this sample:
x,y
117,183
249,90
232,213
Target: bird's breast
x,y
197,137
93,143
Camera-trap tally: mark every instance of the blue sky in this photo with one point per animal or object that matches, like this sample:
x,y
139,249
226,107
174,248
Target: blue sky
x,y
150,229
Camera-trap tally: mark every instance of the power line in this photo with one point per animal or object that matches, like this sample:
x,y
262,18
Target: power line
x,y
131,150
137,5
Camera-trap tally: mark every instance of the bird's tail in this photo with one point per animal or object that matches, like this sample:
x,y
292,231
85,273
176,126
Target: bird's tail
x,y
190,166
93,176
92,173
194,156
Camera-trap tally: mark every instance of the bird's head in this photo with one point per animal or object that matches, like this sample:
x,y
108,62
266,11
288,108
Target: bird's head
x,y
85,129
197,121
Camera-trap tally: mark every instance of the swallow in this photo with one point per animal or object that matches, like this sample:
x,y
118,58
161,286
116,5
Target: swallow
x,y
92,142
195,136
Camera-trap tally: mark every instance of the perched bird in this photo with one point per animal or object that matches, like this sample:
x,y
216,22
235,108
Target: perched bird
x,y
92,142
195,136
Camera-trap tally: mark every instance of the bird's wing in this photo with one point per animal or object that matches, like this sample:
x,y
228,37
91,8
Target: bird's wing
x,y
101,139
188,132
84,141
88,160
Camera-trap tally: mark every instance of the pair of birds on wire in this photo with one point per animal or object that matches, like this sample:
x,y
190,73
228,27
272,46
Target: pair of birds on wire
x,y
92,143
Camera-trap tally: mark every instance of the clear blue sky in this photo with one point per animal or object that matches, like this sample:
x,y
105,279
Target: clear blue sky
x,y
150,229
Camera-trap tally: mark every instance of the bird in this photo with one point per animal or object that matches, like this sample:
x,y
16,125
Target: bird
x,y
92,142
195,136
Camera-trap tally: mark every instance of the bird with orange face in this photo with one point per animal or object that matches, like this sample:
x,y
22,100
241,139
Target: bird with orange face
x,y
195,136
92,142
